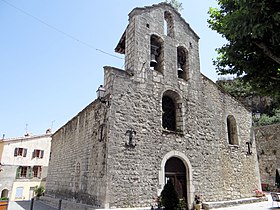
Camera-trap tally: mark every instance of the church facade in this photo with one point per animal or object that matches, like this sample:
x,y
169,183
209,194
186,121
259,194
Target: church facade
x,y
159,119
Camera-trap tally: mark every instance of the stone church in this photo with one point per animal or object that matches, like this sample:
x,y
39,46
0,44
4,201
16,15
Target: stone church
x,y
158,119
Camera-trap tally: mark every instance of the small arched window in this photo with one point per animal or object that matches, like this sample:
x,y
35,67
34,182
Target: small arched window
x,y
156,53
182,63
172,111
232,130
168,24
169,113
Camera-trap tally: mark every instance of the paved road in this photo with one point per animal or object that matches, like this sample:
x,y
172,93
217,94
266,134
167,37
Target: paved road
x,y
38,205
25,205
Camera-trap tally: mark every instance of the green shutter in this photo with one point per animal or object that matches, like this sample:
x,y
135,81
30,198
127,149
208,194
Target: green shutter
x,y
24,152
15,152
30,172
18,172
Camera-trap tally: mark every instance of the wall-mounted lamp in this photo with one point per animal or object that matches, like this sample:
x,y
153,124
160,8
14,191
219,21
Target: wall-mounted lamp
x,y
101,95
249,144
130,133
100,92
257,115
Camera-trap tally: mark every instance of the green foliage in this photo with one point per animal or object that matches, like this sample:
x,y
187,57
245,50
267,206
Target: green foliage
x,y
169,196
4,199
176,4
39,191
182,204
236,87
252,29
268,120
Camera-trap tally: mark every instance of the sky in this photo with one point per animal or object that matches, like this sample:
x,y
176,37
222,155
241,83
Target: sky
x,y
52,55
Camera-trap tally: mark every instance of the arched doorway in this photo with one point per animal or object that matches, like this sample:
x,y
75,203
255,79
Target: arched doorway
x,y
4,193
184,167
175,170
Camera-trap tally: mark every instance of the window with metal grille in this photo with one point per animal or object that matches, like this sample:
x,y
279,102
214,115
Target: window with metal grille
x,y
169,113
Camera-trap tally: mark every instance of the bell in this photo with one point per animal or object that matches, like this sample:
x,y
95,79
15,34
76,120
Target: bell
x,y
180,70
153,61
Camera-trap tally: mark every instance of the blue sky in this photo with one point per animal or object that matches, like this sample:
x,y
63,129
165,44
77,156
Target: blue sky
x,y
50,67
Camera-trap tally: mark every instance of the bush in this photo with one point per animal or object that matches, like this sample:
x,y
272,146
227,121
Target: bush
x,y
39,191
169,196
268,120
4,199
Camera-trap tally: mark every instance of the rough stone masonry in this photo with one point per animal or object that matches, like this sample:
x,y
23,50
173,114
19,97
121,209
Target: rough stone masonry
x,y
160,120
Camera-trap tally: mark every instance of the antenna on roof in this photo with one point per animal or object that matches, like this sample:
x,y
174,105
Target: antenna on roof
x,y
52,124
26,130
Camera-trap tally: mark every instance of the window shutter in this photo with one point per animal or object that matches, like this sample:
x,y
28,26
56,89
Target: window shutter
x,y
18,172
41,153
24,152
39,171
30,172
15,152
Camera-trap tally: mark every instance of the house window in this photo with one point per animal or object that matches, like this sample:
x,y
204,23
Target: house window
x,y
38,153
24,172
20,152
168,24
19,192
182,63
169,113
37,171
156,53
232,130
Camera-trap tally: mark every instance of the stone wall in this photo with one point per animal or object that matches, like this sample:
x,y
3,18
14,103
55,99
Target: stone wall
x,y
268,147
219,171
77,168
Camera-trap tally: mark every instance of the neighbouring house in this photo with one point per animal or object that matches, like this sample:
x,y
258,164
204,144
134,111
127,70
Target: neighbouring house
x,y
158,119
24,162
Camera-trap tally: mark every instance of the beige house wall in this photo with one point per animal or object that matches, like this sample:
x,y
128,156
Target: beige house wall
x,y
10,163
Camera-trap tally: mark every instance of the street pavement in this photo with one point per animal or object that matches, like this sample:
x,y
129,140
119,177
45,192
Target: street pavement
x,y
25,205
266,205
39,205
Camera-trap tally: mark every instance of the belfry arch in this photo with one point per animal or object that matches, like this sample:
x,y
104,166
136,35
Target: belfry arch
x,y
176,172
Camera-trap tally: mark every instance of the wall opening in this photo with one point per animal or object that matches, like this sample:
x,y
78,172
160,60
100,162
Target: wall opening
x,y
232,130
168,24
182,63
175,171
172,111
156,53
175,165
5,193
169,113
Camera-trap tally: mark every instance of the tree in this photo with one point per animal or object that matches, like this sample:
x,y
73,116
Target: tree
x,y
169,196
176,4
252,29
